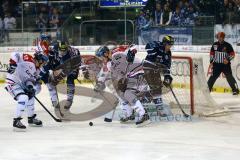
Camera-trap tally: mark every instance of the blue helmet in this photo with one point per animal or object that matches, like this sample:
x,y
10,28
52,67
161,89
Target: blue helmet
x,y
44,37
101,51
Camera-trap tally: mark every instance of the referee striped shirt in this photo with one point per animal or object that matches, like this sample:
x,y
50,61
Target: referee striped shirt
x,y
221,51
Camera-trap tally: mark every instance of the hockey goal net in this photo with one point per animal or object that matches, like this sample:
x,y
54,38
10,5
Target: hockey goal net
x,y
190,86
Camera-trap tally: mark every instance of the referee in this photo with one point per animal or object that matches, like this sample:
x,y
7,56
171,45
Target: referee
x,y
221,55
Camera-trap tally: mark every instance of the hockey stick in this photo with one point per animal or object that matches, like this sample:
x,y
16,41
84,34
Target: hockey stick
x,y
179,105
105,119
56,119
3,71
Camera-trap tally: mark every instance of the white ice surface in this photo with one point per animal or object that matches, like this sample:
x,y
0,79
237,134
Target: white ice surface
x,y
201,139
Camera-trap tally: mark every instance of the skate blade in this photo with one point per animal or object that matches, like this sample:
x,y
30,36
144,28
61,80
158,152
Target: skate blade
x,y
19,130
128,122
145,123
33,125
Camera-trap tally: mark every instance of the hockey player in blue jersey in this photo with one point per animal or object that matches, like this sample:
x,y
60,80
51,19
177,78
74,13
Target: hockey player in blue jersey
x,y
58,57
157,63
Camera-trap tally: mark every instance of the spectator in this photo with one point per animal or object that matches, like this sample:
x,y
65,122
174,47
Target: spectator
x,y
221,15
1,30
166,15
230,14
54,19
190,16
9,24
143,21
42,19
157,14
177,17
41,22
172,4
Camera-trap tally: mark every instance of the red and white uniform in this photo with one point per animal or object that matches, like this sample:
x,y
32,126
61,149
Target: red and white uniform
x,y
25,71
43,47
25,74
119,67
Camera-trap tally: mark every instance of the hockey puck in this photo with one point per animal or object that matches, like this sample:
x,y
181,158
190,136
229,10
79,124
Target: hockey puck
x,y
90,124
107,120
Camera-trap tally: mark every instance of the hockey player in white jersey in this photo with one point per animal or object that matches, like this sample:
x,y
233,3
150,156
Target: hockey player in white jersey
x,y
22,85
127,78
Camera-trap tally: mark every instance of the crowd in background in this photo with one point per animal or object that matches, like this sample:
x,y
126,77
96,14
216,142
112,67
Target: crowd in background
x,y
187,12
156,13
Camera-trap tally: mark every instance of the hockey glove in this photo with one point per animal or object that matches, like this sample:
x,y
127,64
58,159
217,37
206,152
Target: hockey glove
x,y
12,68
131,54
99,87
30,91
167,80
85,73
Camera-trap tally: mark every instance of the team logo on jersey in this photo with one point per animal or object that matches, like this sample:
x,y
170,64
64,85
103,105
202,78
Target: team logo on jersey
x,y
215,47
224,49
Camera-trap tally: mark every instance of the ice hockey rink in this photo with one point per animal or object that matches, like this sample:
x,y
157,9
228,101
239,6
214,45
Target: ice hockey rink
x,y
216,138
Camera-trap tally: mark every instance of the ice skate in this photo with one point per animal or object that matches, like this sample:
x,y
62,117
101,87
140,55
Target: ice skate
x,y
33,122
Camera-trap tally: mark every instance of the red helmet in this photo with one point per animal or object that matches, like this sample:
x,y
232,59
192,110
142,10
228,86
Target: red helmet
x,y
221,34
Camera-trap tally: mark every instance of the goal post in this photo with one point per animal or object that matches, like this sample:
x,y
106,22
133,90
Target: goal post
x,y
190,86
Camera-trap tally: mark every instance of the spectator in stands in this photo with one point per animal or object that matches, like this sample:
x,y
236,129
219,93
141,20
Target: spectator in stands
x,y
157,14
237,3
144,21
42,19
1,30
231,12
166,15
9,24
41,22
177,17
54,19
172,4
190,16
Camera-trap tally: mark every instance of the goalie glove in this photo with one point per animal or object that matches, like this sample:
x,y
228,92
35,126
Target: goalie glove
x,y
131,54
99,87
167,80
